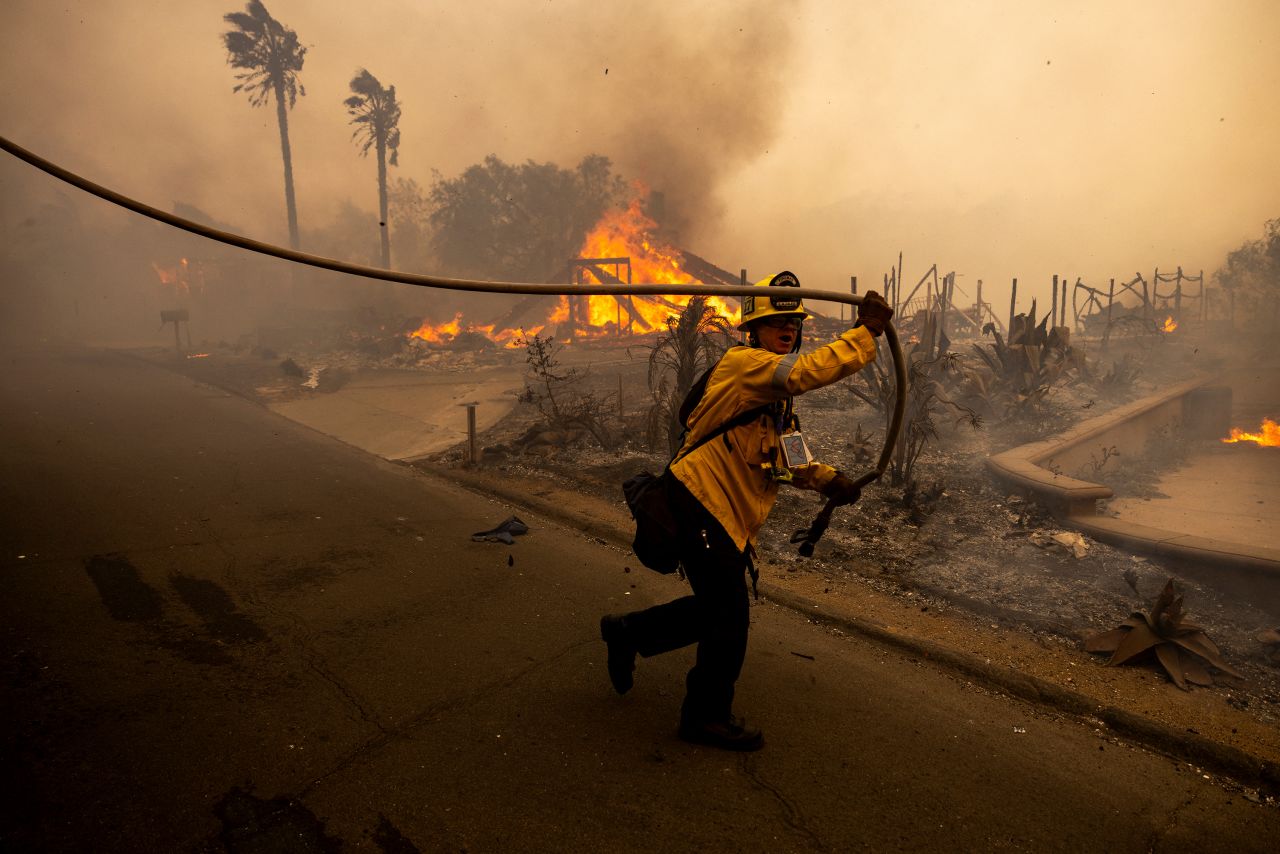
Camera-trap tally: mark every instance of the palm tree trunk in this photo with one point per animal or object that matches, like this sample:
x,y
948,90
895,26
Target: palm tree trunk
x,y
291,206
384,227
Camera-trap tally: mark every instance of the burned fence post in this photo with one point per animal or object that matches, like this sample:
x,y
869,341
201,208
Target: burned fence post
x,y
1062,315
947,289
1053,306
1013,305
1111,299
472,454
897,283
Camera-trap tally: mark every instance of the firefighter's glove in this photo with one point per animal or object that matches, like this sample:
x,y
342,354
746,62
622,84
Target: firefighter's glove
x,y
842,489
874,313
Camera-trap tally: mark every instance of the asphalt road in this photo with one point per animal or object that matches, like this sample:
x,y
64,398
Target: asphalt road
x,y
224,630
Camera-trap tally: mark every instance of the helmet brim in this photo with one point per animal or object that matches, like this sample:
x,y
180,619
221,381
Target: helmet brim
x,y
745,325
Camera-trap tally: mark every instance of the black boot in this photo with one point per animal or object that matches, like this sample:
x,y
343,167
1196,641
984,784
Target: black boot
x,y
731,734
622,652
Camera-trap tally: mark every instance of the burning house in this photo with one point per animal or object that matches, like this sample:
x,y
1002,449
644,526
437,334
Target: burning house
x,y
623,247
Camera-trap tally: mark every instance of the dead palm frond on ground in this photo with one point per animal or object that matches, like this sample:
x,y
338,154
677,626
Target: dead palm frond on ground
x,y
1181,648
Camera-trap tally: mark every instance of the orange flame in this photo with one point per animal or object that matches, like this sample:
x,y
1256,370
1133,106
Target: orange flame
x,y
1169,324
166,275
444,333
183,278
1269,436
621,233
630,233
441,333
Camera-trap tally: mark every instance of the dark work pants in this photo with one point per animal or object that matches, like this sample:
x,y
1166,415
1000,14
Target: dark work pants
x,y
716,617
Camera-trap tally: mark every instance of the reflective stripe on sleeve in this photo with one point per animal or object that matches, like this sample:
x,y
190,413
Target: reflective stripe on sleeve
x,y
783,370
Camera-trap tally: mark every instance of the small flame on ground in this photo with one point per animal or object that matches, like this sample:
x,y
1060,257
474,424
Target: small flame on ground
x,y
444,333
1169,324
197,355
1268,436
441,333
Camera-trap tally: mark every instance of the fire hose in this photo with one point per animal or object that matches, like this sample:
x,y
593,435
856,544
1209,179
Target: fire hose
x,y
807,538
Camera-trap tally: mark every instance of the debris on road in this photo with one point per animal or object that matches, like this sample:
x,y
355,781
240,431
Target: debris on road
x,y
1072,542
503,532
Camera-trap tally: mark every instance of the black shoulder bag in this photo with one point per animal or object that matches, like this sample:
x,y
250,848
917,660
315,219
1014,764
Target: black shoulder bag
x,y
649,499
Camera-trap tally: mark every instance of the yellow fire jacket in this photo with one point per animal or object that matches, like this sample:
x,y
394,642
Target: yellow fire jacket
x,y
727,475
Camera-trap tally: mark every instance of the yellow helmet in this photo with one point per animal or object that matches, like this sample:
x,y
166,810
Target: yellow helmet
x,y
758,307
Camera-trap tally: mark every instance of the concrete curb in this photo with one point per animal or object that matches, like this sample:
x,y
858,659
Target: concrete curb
x,y
1073,501
1208,754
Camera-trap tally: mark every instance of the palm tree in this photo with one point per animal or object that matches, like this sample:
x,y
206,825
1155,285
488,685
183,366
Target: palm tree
x,y
376,115
270,56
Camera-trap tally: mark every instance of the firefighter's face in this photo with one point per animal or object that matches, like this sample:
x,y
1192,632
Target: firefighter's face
x,y
778,334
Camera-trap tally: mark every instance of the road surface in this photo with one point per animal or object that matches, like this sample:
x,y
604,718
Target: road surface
x,y
225,631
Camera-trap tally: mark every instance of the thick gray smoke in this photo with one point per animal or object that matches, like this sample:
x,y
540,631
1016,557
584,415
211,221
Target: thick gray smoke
x,y
679,98
994,141
696,101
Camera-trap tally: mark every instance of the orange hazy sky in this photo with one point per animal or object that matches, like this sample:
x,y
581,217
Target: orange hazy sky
x,y
996,139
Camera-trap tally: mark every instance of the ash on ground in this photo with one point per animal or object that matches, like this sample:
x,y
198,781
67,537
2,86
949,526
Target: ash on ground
x,y
955,538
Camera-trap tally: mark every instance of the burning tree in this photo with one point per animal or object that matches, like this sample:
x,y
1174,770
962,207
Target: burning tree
x,y
271,57
376,115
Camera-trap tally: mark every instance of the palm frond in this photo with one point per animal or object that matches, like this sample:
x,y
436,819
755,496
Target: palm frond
x,y
267,51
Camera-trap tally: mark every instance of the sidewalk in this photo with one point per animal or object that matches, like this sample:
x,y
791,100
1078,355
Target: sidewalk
x,y
400,415
1225,491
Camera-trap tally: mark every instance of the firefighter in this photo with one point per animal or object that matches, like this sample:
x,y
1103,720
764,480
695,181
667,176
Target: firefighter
x,y
724,489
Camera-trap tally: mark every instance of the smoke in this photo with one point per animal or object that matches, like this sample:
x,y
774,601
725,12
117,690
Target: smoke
x,y
995,140
703,108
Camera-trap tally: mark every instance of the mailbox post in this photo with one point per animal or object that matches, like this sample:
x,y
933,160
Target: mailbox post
x,y
176,317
